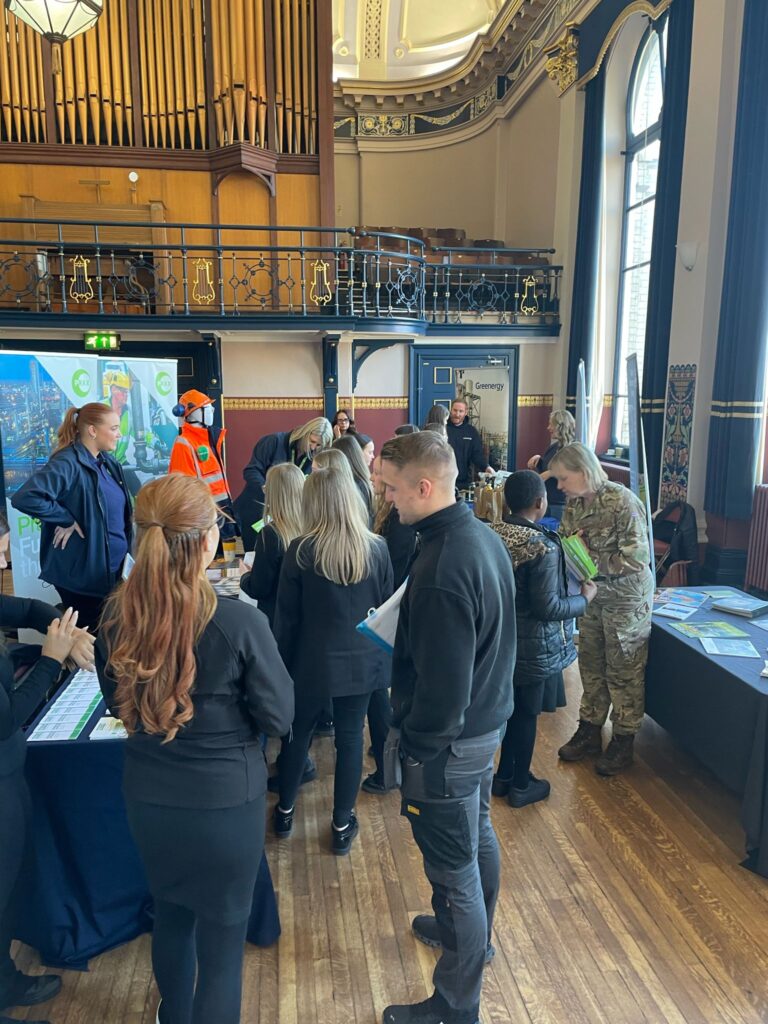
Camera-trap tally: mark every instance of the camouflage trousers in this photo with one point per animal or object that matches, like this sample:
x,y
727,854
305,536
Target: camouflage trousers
x,y
613,650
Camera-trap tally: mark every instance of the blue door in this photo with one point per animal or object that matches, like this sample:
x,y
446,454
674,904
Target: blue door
x,y
435,381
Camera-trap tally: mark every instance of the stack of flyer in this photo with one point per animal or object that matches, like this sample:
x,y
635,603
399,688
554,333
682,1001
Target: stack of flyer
x,y
677,603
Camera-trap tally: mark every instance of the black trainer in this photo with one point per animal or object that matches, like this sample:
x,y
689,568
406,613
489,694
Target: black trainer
x,y
373,784
324,729
537,789
310,774
344,837
431,1011
425,929
282,822
499,786
29,990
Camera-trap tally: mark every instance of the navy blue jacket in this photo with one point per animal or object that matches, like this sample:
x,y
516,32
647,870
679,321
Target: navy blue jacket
x,y
268,451
65,491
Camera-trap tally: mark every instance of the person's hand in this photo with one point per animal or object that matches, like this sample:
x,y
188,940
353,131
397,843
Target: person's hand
x,y
337,431
82,650
588,590
534,461
60,638
243,567
62,534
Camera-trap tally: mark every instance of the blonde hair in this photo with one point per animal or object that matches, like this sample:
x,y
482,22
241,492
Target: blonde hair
x,y
155,620
319,426
577,458
334,458
336,526
563,426
282,501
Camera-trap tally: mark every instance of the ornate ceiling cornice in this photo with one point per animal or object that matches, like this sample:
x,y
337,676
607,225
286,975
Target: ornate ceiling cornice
x,y
522,44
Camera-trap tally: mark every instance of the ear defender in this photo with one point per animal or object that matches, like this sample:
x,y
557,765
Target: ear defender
x,y
179,410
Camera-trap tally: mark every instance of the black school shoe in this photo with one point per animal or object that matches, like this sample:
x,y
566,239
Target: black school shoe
x,y
499,786
425,929
30,990
434,1010
373,784
342,838
537,789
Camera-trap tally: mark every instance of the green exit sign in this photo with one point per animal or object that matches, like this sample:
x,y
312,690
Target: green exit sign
x,y
102,341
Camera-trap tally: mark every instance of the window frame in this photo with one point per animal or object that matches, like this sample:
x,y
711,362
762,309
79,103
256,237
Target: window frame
x,y
634,145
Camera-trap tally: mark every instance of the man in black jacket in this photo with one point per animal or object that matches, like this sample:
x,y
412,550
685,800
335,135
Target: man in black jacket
x,y
466,444
452,672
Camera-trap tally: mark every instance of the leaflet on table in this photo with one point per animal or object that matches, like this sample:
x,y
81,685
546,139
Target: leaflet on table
x,y
381,624
679,596
108,728
701,630
70,712
675,611
729,648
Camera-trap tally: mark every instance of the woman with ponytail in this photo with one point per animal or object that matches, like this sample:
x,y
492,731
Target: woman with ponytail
x,y
195,681
82,502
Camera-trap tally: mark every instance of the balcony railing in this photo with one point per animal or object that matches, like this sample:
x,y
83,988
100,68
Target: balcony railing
x,y
244,273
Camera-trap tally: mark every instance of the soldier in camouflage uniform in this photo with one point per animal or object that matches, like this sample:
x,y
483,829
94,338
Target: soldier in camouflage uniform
x,y
614,632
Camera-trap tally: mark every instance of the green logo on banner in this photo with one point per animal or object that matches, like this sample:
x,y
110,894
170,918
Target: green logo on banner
x,y
81,383
163,383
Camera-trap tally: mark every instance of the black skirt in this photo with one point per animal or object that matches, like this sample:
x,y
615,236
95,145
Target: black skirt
x,y
204,860
547,695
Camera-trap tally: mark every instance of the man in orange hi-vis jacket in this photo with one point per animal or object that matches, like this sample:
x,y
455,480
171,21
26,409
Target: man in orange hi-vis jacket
x,y
199,451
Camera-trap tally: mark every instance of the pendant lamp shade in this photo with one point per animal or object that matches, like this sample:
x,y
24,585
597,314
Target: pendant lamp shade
x,y
57,20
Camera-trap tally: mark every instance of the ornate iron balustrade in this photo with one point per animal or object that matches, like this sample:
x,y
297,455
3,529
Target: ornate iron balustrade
x,y
158,270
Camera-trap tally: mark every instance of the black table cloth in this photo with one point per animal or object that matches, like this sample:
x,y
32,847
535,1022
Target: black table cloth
x,y
83,890
717,708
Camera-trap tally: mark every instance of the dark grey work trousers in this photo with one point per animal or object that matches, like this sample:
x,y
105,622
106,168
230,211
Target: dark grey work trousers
x,y
447,802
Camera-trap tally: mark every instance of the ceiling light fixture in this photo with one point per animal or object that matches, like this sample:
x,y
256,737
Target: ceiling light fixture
x,y
57,20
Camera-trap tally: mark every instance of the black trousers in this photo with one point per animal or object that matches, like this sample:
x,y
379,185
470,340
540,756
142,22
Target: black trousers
x,y
15,814
349,720
89,608
379,721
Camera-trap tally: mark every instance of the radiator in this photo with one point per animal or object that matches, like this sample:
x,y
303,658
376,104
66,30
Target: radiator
x,y
757,553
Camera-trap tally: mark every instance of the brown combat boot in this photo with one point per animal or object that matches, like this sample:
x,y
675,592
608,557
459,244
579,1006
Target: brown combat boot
x,y
617,757
586,740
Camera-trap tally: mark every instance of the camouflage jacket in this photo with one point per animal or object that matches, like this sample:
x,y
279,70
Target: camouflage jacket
x,y
613,527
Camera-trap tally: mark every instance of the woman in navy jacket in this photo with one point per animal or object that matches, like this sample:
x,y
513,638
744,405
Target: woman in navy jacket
x,y
331,578
82,502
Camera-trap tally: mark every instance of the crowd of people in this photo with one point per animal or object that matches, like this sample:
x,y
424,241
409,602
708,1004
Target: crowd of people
x,y
332,530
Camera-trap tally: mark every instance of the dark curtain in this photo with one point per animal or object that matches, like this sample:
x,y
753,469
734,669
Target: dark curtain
x,y
584,303
737,392
663,249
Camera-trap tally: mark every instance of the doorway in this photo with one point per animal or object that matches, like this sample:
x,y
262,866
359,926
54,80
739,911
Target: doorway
x,y
487,379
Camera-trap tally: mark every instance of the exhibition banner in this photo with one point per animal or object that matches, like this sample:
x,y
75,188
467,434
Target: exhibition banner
x,y
485,389
35,392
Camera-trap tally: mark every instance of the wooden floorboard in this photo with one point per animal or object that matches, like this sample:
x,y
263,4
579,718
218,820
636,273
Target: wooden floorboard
x,y
622,902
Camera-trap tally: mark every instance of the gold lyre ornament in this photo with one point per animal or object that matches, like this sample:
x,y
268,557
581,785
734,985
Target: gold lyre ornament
x,y
81,289
563,59
203,291
320,291
529,304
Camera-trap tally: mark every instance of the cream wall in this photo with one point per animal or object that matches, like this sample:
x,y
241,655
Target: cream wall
x,y
264,369
527,170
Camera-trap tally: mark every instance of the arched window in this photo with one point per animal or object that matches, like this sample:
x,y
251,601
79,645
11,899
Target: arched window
x,y
644,111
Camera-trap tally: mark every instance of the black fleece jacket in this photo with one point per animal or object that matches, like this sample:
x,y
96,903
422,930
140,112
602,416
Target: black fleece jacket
x,y
454,654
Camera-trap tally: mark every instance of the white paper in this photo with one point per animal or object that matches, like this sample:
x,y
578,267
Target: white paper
x,y
70,712
108,728
674,611
381,624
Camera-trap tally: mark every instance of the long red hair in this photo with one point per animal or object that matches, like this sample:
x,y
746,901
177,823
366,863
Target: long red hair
x,y
155,620
89,415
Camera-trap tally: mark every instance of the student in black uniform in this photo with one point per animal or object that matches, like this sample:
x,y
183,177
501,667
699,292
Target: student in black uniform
x,y
330,579
195,680
63,639
401,544
82,501
360,471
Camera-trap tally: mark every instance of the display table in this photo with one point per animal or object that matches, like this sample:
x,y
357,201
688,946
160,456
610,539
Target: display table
x,y
84,889
717,708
